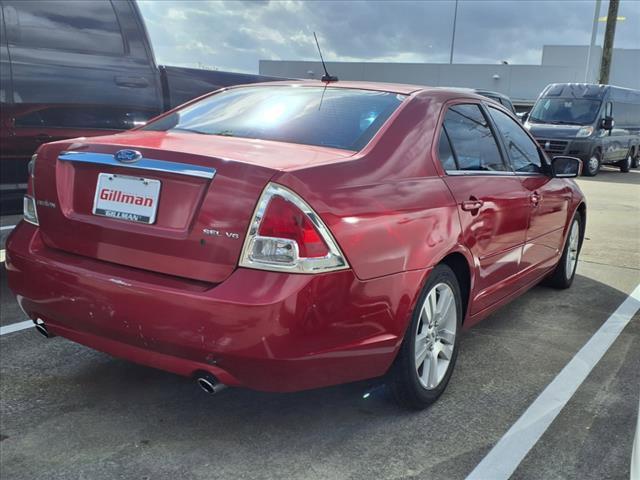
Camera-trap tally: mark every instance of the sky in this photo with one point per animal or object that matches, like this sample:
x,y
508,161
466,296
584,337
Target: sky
x,y
234,35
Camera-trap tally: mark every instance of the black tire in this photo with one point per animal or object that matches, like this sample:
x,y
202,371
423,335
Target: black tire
x,y
592,165
636,158
405,384
563,275
626,164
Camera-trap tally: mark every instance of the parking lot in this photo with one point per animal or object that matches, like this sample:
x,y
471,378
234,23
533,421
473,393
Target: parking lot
x,y
70,412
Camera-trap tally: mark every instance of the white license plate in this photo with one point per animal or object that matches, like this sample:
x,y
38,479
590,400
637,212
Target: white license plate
x,y
127,198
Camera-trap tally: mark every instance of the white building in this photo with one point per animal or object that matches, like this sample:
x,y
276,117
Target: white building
x,y
522,83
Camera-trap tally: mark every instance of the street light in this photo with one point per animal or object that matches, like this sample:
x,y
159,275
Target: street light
x,y
453,33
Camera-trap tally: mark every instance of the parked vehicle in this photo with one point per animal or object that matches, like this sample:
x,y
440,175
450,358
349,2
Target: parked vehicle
x,y
294,235
599,124
497,97
70,69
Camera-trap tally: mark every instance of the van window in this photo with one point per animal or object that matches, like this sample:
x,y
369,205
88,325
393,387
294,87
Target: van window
x,y
472,140
87,27
568,111
523,152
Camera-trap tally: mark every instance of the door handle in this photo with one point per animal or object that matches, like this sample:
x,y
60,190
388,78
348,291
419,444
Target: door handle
x,y
535,199
132,82
471,204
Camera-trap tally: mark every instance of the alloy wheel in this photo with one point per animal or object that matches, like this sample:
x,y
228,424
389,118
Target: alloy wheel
x,y
594,162
435,335
572,251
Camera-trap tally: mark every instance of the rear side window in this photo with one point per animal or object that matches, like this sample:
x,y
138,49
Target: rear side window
x,y
86,27
523,152
331,117
472,140
445,153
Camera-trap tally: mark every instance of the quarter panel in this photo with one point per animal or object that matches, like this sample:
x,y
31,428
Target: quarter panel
x,y
386,207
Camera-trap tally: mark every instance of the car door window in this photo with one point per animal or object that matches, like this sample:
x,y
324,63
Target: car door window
x,y
524,155
472,142
87,27
445,153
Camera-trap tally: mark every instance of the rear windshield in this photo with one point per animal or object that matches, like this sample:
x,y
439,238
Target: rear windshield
x,y
568,111
329,117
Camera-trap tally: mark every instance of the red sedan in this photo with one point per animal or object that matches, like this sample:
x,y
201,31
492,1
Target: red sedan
x,y
294,235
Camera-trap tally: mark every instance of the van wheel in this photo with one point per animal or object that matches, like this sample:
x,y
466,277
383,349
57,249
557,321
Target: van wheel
x,y
429,350
636,158
592,166
562,276
625,165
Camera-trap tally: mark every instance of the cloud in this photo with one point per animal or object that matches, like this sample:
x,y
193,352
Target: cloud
x,y
235,35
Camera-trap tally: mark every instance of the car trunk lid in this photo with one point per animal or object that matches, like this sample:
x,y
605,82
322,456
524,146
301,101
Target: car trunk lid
x,y
198,192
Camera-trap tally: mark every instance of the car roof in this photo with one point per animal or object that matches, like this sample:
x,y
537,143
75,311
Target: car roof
x,y
401,88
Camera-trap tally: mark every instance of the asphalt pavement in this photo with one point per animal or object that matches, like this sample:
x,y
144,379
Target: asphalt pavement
x,y
68,412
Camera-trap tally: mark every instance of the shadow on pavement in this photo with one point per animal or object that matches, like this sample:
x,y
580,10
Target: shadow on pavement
x,y
80,400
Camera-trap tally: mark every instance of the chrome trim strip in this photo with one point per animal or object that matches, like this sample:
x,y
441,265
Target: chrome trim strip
x,y
142,164
480,173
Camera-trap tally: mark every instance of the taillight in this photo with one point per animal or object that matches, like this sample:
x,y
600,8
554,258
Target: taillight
x,y
29,210
31,169
285,234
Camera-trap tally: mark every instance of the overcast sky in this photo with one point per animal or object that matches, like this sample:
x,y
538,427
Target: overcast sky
x,y
234,35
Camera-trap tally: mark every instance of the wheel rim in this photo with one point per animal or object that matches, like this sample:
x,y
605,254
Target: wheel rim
x,y
572,251
593,163
435,335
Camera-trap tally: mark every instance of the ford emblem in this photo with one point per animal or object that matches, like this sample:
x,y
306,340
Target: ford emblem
x,y
127,156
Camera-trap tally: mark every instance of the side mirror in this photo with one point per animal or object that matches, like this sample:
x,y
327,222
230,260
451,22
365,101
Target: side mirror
x,y
565,167
607,123
524,117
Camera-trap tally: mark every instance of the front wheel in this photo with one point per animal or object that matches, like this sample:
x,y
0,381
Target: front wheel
x,y
562,276
430,347
592,166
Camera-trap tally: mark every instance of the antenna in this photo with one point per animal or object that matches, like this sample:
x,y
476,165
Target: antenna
x,y
326,78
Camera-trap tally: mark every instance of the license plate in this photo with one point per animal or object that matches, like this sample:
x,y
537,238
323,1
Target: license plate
x,y
127,198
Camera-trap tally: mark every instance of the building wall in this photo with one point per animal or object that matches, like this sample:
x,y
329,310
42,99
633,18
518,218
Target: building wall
x,y
522,83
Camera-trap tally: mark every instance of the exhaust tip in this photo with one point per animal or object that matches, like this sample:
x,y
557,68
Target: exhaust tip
x,y
209,384
42,329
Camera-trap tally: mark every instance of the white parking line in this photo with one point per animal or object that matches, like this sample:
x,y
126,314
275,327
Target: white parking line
x,y
7,227
506,455
16,327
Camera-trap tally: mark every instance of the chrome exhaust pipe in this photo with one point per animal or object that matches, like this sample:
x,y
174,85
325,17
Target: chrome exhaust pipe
x,y
42,329
209,383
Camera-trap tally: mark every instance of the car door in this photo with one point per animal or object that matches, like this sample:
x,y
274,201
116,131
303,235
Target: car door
x,y
549,198
609,138
73,57
492,202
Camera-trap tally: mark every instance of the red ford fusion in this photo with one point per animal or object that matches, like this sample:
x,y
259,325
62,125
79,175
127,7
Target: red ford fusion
x,y
294,235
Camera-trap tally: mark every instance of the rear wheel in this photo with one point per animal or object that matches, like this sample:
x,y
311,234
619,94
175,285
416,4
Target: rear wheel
x,y
430,346
562,276
592,166
636,158
626,164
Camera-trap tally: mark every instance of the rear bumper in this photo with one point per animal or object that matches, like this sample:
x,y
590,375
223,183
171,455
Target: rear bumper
x,y
263,330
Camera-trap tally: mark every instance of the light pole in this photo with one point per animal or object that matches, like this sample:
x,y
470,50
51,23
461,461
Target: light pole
x,y
453,33
607,47
594,34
